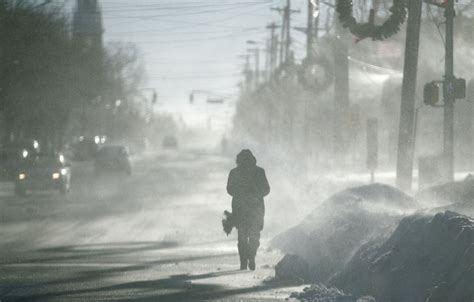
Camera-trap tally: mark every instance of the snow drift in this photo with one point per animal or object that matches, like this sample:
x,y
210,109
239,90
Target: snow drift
x,y
427,258
448,193
329,236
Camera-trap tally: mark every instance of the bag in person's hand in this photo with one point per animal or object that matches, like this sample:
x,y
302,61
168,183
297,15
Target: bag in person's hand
x,y
227,222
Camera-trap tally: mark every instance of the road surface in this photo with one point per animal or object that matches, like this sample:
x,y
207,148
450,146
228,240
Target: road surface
x,y
154,236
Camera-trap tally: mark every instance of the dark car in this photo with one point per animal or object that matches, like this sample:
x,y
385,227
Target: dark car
x,y
113,159
45,172
14,155
170,142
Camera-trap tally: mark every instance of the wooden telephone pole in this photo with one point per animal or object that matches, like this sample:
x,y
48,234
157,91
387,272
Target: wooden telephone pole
x,y
407,109
449,95
285,38
273,48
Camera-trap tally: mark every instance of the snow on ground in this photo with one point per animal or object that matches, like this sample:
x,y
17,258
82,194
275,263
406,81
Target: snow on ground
x,y
426,257
327,238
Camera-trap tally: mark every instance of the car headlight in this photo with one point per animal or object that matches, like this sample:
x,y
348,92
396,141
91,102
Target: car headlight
x,y
63,171
56,175
21,176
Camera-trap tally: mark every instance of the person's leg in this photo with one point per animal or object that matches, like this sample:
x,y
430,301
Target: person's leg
x,y
243,246
254,243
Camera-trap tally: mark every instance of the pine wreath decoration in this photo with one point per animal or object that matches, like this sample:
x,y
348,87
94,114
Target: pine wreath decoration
x,y
369,30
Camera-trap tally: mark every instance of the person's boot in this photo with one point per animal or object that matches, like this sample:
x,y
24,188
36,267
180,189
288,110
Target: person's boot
x,y
243,263
252,263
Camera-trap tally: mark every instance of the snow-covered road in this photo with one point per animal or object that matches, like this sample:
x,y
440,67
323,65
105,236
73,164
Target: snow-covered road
x,y
154,236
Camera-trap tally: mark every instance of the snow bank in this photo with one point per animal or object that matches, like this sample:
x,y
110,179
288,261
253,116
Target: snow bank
x,y
448,193
427,258
329,236
321,293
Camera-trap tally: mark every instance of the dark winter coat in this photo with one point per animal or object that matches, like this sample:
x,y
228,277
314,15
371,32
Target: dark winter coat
x,y
247,184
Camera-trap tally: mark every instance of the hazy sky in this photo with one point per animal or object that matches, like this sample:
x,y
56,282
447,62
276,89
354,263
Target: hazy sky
x,y
194,44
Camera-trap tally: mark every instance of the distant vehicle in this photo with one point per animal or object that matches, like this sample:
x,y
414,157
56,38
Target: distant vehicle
x,y
86,147
170,142
45,172
113,159
15,154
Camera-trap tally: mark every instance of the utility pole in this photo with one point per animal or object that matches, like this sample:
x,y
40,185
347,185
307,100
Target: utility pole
x,y
246,72
288,12
268,53
256,52
257,66
273,47
313,26
282,34
316,18
449,79
288,31
405,151
310,30
285,30
341,92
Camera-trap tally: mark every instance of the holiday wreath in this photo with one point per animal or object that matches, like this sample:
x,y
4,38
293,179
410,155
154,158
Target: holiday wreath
x,y
369,30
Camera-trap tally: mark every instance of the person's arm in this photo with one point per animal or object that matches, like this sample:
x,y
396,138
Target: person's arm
x,y
262,183
231,184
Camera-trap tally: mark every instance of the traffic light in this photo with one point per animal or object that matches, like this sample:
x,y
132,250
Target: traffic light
x,y
456,89
431,94
191,98
459,88
470,91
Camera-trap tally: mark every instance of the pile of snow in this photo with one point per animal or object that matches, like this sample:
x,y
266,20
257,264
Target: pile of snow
x,y
457,196
294,269
321,293
329,236
427,258
448,193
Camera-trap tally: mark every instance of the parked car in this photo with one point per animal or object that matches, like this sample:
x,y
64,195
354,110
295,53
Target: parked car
x,y
113,159
170,142
45,172
15,154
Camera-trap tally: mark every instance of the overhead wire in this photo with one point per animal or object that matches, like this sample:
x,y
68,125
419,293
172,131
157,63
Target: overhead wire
x,y
433,19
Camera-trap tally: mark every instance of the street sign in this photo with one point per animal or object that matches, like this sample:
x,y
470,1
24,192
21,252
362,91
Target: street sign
x,y
460,88
470,91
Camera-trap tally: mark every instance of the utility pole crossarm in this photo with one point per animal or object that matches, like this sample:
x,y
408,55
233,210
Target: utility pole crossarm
x,y
285,29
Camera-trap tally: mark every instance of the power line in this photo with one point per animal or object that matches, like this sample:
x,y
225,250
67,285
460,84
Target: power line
x,y
215,23
193,40
168,33
437,25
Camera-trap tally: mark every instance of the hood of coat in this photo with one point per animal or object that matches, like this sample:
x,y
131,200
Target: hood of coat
x,y
245,159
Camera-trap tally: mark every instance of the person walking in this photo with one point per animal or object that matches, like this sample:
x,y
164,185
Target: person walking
x,y
247,184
